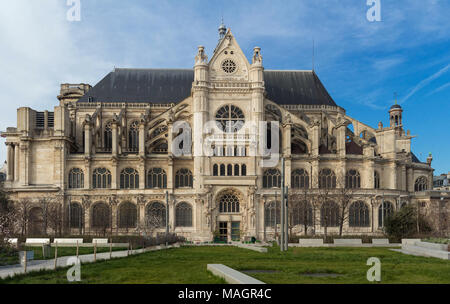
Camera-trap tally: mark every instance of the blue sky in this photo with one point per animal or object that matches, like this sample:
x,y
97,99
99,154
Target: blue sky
x,y
361,63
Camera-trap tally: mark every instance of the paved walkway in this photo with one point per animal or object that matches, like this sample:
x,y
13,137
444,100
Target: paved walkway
x,y
12,270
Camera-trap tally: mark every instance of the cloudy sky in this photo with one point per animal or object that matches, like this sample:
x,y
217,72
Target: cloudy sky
x,y
361,63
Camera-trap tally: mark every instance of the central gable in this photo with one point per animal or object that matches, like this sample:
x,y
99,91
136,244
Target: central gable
x,y
228,62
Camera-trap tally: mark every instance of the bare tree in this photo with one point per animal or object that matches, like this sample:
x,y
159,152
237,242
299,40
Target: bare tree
x,y
7,219
345,194
23,208
323,198
300,209
54,217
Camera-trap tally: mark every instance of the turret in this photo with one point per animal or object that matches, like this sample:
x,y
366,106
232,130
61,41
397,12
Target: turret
x,y
395,116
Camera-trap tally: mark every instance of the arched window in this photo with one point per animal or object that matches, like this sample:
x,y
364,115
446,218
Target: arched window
x,y
76,178
183,215
329,215
133,137
229,203
384,211
215,170
299,147
352,179
327,179
300,179
230,170
156,215
222,170
101,178
376,180
301,212
421,184
107,137
156,178
183,179
272,178
75,215
236,170
36,224
230,119
127,215
101,216
129,179
160,147
359,215
244,170
272,214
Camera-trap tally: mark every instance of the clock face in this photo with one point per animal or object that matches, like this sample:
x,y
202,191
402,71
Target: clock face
x,y
229,66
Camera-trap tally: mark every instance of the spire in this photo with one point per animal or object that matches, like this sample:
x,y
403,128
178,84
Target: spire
x,y
222,30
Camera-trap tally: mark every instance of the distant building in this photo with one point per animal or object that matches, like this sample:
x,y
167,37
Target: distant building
x,y
441,182
3,173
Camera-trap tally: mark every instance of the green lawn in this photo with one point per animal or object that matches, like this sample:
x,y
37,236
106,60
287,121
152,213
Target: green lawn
x,y
187,265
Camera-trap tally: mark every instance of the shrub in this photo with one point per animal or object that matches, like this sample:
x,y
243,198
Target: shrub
x,y
403,224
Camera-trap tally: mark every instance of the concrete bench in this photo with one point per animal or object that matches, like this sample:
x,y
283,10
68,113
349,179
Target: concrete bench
x,y
68,241
254,248
380,241
347,242
100,241
434,246
12,242
231,276
409,241
37,241
310,242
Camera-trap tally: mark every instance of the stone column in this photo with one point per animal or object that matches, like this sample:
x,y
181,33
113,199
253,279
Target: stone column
x,y
142,139
87,174
170,175
24,163
114,174
87,140
114,139
141,212
9,162
16,162
142,175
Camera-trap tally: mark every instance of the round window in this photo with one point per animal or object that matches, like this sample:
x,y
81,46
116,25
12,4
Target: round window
x,y
229,66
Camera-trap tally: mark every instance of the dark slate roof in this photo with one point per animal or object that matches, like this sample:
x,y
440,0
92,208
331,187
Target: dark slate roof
x,y
396,106
415,159
162,86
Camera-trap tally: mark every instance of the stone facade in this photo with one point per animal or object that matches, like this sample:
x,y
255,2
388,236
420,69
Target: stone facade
x,y
104,157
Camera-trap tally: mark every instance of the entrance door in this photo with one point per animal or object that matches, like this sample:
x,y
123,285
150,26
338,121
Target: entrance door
x,y
223,231
235,231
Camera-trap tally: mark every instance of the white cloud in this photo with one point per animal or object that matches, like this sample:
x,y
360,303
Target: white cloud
x,y
425,82
39,51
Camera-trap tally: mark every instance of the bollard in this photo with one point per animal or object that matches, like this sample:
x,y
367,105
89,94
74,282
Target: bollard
x,y
25,262
95,251
110,250
77,249
56,254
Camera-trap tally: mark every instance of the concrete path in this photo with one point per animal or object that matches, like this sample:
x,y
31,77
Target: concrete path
x,y
12,270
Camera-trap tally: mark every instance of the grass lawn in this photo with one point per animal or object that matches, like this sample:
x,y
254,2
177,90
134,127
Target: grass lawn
x,y
187,265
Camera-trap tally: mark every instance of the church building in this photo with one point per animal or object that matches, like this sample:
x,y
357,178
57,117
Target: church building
x,y
116,155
